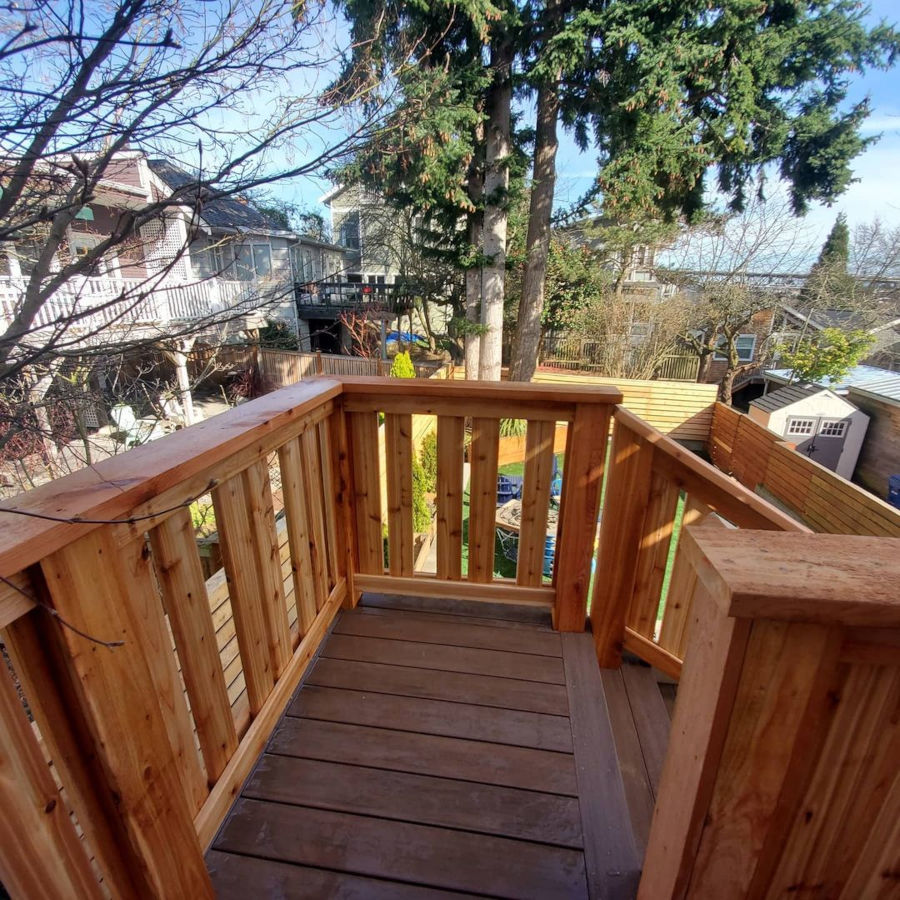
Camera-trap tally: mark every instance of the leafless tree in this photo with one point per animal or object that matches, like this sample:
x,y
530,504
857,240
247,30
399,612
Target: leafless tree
x,y
226,92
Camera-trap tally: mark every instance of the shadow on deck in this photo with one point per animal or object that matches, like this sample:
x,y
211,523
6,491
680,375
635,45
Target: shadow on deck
x,y
471,750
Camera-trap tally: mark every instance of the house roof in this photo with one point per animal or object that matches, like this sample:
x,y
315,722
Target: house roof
x,y
786,396
871,379
223,212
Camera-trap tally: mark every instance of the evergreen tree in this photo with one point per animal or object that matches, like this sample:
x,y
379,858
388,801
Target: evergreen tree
x,y
670,92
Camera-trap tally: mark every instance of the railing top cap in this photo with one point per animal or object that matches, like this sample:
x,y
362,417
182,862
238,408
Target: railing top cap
x,y
829,579
512,391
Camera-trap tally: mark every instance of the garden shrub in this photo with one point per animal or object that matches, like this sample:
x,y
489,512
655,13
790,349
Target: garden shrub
x,y
402,366
428,459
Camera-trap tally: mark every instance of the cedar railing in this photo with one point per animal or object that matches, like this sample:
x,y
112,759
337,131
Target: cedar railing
x,y
649,475
587,412
152,692
781,774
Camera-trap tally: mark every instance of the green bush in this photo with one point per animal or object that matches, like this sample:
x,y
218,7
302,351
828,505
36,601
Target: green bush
x,y
428,459
421,516
402,366
513,427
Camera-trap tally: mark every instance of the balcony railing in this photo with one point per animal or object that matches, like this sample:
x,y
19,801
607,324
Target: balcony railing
x,y
781,766
89,304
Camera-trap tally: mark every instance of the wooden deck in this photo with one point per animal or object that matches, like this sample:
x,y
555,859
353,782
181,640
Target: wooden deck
x,y
458,749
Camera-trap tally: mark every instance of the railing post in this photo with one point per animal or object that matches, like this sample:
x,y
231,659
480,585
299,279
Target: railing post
x,y
586,446
781,772
627,496
127,716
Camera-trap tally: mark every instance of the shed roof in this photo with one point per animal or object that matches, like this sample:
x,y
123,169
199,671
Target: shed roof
x,y
786,396
872,379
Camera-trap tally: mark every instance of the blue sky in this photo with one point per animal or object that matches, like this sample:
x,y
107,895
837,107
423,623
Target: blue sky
x,y
876,193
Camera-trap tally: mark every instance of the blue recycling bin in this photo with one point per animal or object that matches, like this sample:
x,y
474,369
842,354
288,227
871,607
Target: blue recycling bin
x,y
893,496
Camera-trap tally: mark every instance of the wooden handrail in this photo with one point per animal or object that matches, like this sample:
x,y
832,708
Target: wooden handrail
x,y
138,482
828,579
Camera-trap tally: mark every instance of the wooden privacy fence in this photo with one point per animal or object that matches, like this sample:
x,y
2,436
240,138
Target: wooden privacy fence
x,y
284,367
826,502
676,408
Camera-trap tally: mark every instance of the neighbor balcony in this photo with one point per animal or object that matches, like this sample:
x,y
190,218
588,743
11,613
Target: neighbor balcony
x,y
324,718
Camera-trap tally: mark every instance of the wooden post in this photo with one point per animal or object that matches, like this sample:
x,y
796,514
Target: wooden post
x,y
451,434
583,468
398,437
132,706
627,495
483,498
342,492
781,774
40,853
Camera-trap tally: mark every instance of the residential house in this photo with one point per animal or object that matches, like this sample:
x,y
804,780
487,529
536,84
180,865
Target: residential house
x,y
227,260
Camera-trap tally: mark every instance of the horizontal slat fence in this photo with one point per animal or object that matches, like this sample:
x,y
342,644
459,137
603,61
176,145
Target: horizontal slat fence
x,y
826,502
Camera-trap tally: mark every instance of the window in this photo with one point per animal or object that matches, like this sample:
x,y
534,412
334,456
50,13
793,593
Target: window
x,y
745,345
82,244
801,426
832,428
253,261
349,231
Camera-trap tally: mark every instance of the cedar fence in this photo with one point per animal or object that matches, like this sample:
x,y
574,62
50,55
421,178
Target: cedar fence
x,y
760,460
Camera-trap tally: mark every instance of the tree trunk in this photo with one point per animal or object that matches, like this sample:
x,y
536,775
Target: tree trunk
x,y
472,337
496,187
537,246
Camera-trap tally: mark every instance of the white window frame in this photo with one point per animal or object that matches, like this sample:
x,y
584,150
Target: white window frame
x,y
721,357
809,426
249,272
836,428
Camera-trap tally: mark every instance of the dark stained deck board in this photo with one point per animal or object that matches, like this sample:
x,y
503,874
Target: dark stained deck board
x,y
611,856
516,616
367,609
457,687
445,802
381,748
403,851
428,754
651,718
636,781
402,626
461,720
474,661
239,877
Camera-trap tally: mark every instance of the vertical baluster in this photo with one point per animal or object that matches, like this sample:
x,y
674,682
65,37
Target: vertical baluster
x,y
586,446
483,498
289,458
673,629
398,437
451,434
312,470
535,502
653,554
342,501
367,492
184,591
239,554
328,503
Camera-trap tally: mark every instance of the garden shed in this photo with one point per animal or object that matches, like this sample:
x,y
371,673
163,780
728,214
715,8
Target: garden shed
x,y
826,427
